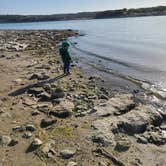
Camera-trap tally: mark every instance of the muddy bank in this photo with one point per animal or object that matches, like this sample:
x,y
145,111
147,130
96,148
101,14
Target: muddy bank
x,y
47,118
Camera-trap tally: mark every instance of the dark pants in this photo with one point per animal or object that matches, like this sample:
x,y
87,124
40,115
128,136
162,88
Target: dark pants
x,y
66,67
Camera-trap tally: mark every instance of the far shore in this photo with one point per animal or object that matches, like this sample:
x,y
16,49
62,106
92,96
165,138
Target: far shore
x,y
120,13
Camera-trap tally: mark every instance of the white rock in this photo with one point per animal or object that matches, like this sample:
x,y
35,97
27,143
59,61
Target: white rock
x,y
5,140
72,163
37,142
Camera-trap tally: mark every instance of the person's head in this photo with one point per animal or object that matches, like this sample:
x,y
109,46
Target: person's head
x,y
65,45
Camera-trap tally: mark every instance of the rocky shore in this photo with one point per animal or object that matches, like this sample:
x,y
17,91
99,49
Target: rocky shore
x,y
47,118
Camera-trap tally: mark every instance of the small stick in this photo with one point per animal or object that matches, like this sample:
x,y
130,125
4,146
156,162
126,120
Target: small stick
x,y
110,156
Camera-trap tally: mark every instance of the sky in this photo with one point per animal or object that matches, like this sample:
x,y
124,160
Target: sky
x,y
70,6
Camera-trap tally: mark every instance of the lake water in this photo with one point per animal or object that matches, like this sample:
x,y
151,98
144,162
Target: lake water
x,y
130,47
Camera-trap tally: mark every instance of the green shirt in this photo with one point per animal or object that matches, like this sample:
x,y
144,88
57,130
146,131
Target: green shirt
x,y
65,55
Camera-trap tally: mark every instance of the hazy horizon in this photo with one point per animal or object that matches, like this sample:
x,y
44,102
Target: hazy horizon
x,y
42,7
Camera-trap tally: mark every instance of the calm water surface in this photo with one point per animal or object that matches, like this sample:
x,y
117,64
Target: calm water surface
x,y
132,47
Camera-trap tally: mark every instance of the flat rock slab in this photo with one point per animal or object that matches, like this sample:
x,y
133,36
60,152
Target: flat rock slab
x,y
117,105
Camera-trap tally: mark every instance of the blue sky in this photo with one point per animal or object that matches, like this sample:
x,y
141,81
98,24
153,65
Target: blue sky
x,y
70,6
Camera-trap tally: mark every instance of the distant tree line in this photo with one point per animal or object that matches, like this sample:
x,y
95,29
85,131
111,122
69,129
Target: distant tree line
x,y
159,10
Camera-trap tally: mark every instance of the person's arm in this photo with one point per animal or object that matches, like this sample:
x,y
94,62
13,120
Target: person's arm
x,y
68,55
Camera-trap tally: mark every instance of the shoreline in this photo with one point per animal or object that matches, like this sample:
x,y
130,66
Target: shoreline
x,y
118,13
83,119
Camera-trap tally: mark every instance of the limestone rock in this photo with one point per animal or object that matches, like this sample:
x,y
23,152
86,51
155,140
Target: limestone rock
x,y
72,163
63,110
36,142
48,149
142,140
117,105
102,139
5,140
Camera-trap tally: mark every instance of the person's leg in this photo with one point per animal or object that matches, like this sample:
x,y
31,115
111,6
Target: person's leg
x,y
68,68
64,67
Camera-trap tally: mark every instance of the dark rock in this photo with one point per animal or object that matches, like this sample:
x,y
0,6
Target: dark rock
x,y
19,128
45,123
2,56
35,113
35,91
101,163
156,139
123,145
36,143
30,128
60,114
67,153
102,96
44,97
139,119
42,76
58,93
56,101
13,142
133,125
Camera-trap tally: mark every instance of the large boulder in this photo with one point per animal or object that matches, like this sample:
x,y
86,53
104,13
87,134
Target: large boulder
x,y
139,118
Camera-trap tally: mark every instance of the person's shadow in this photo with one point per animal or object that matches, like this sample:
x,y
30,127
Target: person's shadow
x,y
38,84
